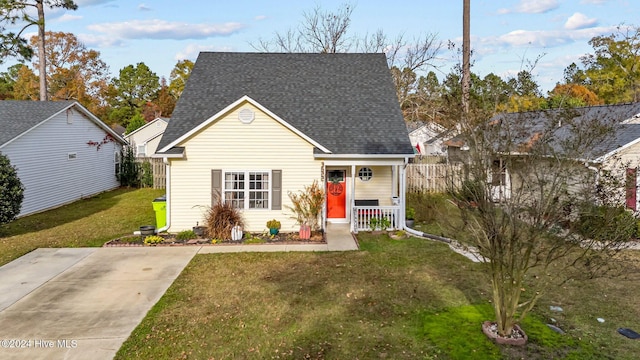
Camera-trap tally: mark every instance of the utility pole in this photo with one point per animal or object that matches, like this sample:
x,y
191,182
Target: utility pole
x,y
466,56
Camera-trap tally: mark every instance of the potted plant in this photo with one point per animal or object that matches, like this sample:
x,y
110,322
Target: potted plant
x,y
307,208
410,216
274,226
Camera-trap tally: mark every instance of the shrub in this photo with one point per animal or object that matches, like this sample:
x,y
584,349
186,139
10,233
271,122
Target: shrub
x,y
307,205
606,223
153,239
220,220
186,235
273,224
11,191
129,173
425,206
146,174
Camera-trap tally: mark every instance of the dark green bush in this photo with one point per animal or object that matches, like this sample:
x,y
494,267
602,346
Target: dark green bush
x,y
186,235
11,191
606,223
426,205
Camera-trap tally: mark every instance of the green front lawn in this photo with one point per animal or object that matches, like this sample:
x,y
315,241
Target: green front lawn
x,y
88,222
395,299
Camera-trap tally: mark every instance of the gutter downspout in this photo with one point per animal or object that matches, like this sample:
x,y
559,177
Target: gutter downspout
x,y
168,195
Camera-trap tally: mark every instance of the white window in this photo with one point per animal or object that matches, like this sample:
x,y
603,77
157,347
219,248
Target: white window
x,y
365,174
141,150
116,161
247,189
72,156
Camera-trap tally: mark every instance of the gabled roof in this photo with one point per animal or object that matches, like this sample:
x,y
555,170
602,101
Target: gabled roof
x,y
166,120
558,125
17,117
344,102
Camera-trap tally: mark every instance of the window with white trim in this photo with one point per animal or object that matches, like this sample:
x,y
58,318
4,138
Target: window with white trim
x,y
142,150
116,161
365,174
247,189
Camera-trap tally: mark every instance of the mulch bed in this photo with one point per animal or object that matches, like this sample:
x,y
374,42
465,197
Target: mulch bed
x,y
255,239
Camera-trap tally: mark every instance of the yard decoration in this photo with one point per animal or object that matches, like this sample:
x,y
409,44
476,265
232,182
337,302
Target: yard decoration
x,y
236,233
305,232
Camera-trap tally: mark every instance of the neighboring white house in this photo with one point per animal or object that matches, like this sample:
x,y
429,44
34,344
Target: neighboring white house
x,y
145,139
429,138
254,127
62,152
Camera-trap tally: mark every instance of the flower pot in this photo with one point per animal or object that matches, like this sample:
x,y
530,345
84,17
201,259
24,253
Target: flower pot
x,y
409,223
147,230
518,337
273,231
199,231
305,232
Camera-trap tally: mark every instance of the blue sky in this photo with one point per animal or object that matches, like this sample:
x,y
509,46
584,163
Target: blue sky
x,y
506,35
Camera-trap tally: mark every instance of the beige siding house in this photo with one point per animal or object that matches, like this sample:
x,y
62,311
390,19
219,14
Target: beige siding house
x,y
618,155
145,139
256,127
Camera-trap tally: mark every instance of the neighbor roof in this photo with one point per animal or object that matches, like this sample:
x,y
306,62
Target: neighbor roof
x,y
529,126
345,102
19,116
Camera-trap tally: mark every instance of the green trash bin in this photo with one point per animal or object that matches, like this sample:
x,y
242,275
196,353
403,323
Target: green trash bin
x,y
160,207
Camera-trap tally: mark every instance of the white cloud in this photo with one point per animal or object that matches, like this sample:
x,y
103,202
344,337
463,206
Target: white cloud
x,y
161,29
82,3
260,17
593,2
579,21
532,7
191,52
544,38
68,17
144,7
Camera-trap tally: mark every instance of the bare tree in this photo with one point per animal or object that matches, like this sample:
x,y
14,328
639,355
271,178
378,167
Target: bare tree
x,y
532,200
327,32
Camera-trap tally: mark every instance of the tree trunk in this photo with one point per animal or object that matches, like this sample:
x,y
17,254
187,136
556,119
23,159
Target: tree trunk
x,y
41,55
466,55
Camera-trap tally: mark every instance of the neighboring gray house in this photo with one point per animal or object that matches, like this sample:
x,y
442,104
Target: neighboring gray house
x,y
144,140
621,148
62,152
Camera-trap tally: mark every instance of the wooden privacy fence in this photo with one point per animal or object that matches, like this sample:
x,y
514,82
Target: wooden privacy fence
x,y
432,177
159,171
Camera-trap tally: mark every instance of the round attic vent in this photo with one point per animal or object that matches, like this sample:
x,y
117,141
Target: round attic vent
x,y
246,116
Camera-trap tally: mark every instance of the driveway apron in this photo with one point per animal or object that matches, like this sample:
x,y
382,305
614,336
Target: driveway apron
x,y
81,303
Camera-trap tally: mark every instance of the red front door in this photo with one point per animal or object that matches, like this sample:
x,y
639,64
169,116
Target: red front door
x,y
336,194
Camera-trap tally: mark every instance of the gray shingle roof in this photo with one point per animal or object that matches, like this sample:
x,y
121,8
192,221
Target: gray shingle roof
x,y
345,102
605,115
16,116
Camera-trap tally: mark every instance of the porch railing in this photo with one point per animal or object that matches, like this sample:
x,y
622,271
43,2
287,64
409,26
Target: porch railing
x,y
367,218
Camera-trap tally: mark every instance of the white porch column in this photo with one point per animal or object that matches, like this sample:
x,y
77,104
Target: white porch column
x,y
403,194
352,200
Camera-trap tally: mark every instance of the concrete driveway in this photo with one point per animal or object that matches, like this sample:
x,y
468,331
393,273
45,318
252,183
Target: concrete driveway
x,y
81,303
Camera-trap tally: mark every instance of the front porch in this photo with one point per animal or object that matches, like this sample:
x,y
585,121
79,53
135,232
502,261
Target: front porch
x,y
369,195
